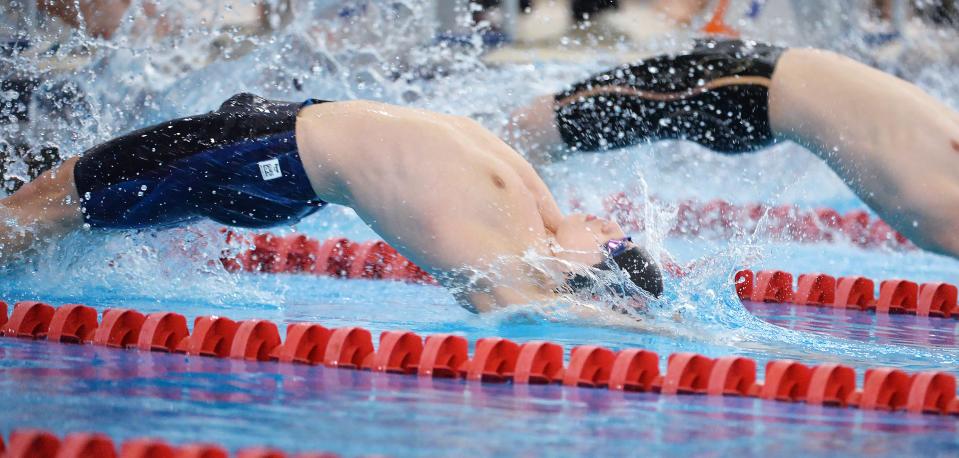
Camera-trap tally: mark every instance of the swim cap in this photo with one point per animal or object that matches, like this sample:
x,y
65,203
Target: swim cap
x,y
642,270
636,262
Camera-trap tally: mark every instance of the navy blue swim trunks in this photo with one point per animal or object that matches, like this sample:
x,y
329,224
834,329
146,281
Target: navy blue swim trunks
x,y
238,166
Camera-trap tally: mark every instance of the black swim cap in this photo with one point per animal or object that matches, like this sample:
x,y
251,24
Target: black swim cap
x,y
637,263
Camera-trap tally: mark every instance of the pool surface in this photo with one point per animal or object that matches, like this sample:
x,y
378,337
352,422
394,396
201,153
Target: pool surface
x,y
386,51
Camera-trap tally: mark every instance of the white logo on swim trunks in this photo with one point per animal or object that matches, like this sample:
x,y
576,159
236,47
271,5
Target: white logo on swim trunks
x,y
270,169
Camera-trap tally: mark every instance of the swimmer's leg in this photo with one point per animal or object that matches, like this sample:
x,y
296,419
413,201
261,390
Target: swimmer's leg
x,y
715,95
238,165
42,210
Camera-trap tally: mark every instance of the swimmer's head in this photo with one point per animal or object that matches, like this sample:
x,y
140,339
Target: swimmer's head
x,y
602,244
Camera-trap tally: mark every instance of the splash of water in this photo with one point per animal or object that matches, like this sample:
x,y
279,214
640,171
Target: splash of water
x,y
190,62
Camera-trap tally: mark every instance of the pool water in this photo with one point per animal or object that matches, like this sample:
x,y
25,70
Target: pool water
x,y
382,55
127,393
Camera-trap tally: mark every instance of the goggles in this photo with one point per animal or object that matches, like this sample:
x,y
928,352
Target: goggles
x,y
616,247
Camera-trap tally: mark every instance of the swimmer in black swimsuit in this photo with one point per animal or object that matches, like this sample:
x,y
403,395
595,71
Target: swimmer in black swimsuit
x,y
715,95
445,192
893,144
224,165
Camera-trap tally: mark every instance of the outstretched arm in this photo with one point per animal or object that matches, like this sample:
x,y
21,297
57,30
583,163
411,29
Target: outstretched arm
x,y
896,146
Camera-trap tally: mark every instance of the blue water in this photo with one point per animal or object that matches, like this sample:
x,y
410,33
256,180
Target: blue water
x,y
127,394
388,55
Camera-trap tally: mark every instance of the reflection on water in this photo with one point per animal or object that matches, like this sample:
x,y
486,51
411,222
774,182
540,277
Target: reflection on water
x,y
91,89
128,394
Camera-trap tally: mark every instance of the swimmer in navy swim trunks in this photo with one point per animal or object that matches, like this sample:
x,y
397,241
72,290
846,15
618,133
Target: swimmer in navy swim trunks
x,y
441,189
896,146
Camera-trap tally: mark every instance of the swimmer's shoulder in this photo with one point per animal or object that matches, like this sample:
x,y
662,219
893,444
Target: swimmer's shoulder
x,y
378,111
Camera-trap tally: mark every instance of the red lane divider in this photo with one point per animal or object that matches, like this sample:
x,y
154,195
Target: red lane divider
x,y
340,257
162,332
336,257
895,296
720,219
494,360
35,443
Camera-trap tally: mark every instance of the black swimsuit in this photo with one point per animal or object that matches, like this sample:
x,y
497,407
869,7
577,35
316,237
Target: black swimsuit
x,y
716,95
238,165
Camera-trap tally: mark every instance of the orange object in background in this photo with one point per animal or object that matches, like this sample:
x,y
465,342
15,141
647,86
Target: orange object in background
x,y
717,25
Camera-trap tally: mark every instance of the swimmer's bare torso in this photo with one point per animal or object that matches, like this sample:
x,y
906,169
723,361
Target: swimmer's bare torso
x,y
445,192
441,189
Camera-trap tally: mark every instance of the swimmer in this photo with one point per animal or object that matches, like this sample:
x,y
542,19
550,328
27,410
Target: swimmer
x,y
893,144
445,192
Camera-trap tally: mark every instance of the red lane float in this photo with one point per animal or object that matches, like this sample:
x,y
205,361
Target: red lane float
x,y
635,370
732,376
885,389
212,336
29,320
772,286
539,363
785,381
334,257
373,260
931,392
87,445
444,355
687,373
305,344
815,289
895,296
301,255
73,323
260,452
201,451
148,448
32,443
855,292
162,332
120,328
937,299
399,352
348,348
255,340
496,360
3,320
589,366
744,284
831,384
